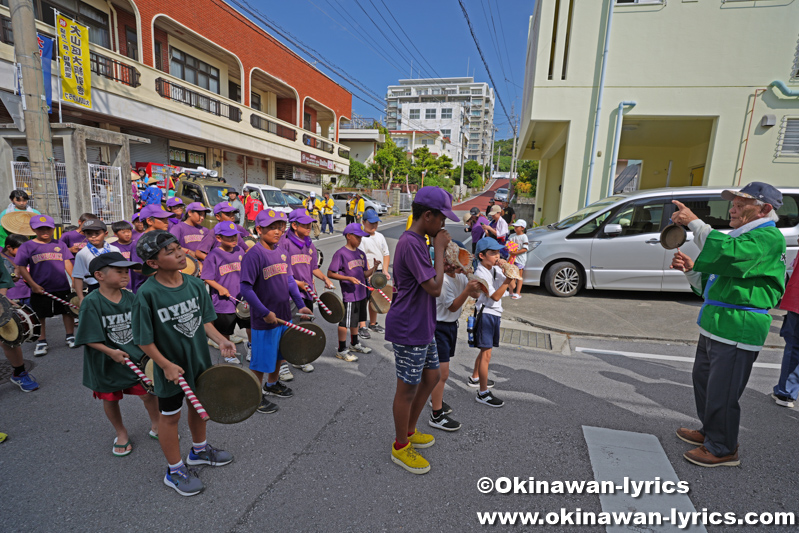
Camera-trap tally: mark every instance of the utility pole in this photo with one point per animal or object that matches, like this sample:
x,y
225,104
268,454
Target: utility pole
x,y
512,158
463,149
37,121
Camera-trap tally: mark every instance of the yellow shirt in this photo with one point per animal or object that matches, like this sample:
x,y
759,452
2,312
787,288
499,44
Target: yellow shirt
x,y
314,205
327,206
361,207
351,207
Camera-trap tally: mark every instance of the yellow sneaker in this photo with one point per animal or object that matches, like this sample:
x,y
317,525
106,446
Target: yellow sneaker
x,y
421,440
409,459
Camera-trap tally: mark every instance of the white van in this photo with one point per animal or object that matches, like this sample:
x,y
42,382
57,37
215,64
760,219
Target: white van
x,y
272,197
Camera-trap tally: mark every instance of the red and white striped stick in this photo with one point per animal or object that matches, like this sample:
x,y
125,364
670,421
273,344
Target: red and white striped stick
x,y
298,328
321,304
379,291
59,300
137,370
192,398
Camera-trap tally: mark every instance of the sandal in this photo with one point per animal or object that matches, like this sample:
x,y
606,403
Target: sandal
x,y
154,435
121,446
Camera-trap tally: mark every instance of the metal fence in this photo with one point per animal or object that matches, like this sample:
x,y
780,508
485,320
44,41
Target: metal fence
x,y
106,191
406,199
380,195
22,178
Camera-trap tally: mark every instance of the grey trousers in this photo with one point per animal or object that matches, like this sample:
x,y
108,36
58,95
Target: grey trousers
x,y
720,374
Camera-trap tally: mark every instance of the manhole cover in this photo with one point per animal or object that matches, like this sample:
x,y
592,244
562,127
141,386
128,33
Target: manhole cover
x,y
518,337
6,370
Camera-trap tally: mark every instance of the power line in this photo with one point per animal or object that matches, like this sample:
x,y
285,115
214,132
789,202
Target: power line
x,y
505,42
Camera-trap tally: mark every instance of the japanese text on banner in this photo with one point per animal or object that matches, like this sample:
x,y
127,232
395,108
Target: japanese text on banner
x,y
73,41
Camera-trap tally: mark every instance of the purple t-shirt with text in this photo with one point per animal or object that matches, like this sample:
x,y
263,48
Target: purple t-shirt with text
x,y
210,243
128,251
188,236
46,263
350,263
411,320
304,259
268,273
224,268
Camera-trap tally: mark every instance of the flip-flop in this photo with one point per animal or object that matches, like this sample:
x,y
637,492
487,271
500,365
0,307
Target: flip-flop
x,y
154,435
121,446
3,437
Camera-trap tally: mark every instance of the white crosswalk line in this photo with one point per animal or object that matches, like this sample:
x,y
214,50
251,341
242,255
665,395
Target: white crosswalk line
x,y
659,357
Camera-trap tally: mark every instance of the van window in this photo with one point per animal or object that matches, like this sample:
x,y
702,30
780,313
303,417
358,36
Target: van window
x,y
789,212
640,217
713,210
273,198
586,212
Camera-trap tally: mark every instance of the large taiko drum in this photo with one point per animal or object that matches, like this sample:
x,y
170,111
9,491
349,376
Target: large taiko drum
x,y
24,326
192,267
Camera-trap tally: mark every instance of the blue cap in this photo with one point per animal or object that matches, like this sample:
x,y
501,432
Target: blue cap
x,y
438,199
487,243
758,190
300,216
355,229
371,216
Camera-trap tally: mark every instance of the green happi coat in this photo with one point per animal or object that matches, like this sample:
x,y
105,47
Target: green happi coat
x,y
747,270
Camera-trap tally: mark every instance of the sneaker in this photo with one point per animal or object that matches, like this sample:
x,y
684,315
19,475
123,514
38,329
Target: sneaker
x,y
184,481
267,407
785,401
209,456
285,372
212,343
347,356
475,383
702,457
409,459
307,368
40,350
444,422
249,351
691,436
278,389
421,440
360,348
444,405
363,333
377,328
489,400
232,360
25,381
70,341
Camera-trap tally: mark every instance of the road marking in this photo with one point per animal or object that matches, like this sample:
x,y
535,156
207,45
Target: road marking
x,y
659,357
380,227
616,455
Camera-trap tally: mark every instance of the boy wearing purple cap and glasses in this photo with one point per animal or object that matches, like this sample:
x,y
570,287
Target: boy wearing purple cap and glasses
x,y
189,232
411,322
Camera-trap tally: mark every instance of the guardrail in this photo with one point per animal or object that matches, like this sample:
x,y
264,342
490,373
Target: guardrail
x,y
280,130
114,70
176,92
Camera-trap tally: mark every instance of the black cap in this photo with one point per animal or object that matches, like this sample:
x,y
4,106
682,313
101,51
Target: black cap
x,y
152,242
94,225
114,259
474,211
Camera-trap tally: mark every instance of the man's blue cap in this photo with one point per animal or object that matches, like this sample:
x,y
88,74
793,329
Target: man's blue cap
x,y
758,190
487,243
371,216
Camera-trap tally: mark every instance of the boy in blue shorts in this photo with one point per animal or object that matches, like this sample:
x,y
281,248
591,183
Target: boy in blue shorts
x,y
267,280
172,320
411,322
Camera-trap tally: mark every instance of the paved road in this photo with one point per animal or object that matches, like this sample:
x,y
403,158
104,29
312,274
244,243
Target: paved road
x,y
481,201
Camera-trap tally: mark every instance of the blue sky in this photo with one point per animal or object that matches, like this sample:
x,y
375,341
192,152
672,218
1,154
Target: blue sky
x,y
341,32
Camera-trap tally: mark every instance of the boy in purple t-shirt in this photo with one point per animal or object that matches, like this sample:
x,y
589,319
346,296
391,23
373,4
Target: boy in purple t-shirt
x,y
267,280
222,272
126,243
20,291
45,267
411,322
75,239
175,205
224,212
189,232
349,267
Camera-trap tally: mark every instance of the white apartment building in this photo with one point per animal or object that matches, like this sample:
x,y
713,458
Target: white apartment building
x,y
446,105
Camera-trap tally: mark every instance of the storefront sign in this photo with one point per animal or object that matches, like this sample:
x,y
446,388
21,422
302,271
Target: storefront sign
x,y
316,161
73,41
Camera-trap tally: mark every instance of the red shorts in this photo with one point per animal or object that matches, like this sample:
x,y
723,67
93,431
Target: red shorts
x,y
136,390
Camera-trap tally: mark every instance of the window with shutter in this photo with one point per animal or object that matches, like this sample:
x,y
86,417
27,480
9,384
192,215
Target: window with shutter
x,y
788,144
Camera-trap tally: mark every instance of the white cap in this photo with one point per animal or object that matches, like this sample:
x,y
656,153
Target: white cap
x,y
521,223
313,194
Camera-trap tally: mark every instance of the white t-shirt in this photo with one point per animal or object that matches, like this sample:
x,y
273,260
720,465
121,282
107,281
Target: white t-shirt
x,y
495,279
502,227
82,260
375,247
453,287
523,242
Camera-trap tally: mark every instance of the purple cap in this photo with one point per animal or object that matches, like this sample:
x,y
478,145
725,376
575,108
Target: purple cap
x,y
154,211
172,202
196,206
226,229
267,216
437,199
300,216
355,229
135,217
223,207
42,221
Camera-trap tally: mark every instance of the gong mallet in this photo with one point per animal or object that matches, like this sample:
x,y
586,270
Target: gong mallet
x,y
59,300
298,328
379,291
316,299
141,375
183,385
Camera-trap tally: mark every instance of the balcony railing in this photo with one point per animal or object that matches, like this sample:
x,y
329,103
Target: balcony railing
x,y
273,127
343,152
114,70
170,90
319,144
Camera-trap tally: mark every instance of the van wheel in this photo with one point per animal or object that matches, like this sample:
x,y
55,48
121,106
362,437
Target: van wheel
x,y
563,279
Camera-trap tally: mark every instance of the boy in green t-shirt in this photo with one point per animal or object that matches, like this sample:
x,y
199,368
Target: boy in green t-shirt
x,y
167,314
105,333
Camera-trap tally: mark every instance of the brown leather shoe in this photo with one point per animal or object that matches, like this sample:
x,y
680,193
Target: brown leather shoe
x,y
691,436
701,456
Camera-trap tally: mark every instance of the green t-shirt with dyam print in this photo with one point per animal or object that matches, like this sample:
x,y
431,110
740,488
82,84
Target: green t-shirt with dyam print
x,y
173,319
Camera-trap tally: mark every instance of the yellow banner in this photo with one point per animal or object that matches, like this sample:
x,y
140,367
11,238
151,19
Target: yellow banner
x,y
76,71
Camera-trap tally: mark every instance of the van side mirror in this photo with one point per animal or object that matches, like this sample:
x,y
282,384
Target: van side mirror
x,y
612,230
